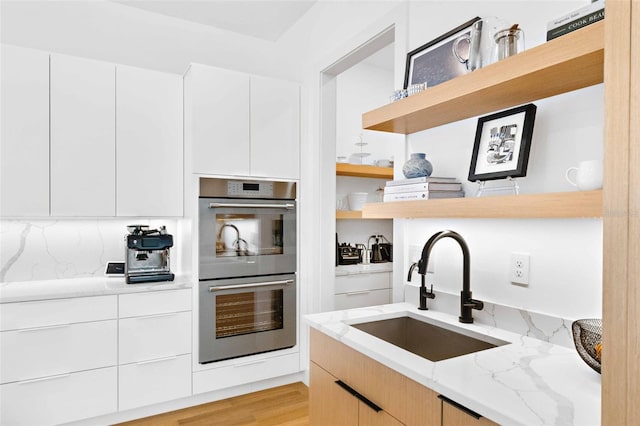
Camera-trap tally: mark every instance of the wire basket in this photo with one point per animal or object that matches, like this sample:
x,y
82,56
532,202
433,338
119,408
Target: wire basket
x,y
587,336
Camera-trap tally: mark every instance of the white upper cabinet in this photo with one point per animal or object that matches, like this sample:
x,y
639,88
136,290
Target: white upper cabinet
x,y
148,143
275,128
24,141
240,125
82,137
217,120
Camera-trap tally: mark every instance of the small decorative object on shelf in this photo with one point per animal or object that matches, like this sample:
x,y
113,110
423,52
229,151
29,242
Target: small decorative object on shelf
x,y
509,42
422,188
587,336
502,144
417,166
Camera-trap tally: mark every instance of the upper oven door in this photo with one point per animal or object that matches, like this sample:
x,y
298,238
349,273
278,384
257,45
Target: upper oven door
x,y
240,238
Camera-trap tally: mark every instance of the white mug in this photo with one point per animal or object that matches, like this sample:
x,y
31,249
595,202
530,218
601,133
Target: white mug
x,y
588,175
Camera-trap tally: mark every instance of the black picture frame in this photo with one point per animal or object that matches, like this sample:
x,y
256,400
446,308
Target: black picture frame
x,y
434,62
502,144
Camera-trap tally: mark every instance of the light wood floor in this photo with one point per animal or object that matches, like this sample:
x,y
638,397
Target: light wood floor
x,y
285,405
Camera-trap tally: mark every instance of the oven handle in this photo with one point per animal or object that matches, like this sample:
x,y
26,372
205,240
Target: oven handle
x,y
287,206
263,284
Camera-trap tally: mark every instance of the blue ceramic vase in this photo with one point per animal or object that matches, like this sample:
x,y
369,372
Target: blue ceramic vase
x,y
417,166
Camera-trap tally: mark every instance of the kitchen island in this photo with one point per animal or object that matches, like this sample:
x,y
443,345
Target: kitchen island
x,y
524,382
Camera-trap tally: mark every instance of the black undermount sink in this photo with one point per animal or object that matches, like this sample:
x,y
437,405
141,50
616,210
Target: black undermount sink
x,y
426,340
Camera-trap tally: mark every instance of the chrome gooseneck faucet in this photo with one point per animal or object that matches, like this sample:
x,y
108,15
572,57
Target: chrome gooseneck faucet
x,y
467,303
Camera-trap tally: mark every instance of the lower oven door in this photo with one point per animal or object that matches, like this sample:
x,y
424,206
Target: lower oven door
x,y
245,316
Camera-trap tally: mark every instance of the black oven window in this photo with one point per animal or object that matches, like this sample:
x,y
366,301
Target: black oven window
x,y
248,312
249,234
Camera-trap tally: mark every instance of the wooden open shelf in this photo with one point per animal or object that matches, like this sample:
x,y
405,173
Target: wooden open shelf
x,y
549,205
348,214
364,171
567,63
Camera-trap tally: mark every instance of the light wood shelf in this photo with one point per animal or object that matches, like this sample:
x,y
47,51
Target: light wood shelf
x,y
568,63
348,214
549,205
364,171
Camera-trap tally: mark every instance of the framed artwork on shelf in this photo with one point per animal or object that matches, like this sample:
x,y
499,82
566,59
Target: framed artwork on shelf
x,y
502,144
434,62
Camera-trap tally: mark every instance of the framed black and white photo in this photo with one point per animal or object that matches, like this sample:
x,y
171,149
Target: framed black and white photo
x,y
434,63
502,144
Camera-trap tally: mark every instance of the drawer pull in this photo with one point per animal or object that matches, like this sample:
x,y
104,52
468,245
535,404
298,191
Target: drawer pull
x,y
355,293
49,327
170,314
460,407
262,361
355,393
44,379
153,361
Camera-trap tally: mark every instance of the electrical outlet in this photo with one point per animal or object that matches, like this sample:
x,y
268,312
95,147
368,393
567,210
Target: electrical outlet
x,y
519,268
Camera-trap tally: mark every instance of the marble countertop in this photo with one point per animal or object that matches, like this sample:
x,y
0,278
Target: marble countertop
x,y
360,268
525,382
80,287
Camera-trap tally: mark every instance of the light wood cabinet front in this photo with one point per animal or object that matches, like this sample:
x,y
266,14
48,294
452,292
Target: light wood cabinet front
x,y
403,400
329,404
453,416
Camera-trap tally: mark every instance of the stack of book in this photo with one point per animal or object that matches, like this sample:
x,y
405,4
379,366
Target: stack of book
x,y
575,20
422,188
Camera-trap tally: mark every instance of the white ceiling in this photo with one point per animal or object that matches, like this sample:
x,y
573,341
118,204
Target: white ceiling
x,y
264,19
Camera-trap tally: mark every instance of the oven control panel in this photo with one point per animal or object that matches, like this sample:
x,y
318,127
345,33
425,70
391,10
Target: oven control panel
x,y
238,188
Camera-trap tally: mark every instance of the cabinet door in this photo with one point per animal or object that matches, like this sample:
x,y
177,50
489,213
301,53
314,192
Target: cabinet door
x,y
82,137
40,352
148,143
369,417
359,299
154,381
461,416
154,337
59,399
275,128
24,144
329,404
217,120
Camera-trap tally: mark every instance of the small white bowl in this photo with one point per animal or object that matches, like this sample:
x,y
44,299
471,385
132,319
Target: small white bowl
x,y
357,200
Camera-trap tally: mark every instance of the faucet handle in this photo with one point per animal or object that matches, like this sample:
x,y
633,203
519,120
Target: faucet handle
x,y
430,294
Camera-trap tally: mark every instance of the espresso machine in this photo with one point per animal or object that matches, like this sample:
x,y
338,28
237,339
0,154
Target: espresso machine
x,y
147,255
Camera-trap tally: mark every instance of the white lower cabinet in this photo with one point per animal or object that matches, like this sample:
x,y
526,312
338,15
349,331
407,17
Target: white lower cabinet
x,y
359,290
59,399
241,373
47,351
154,344
150,382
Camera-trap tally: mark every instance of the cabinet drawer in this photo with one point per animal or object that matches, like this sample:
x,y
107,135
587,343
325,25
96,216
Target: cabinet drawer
x,y
40,352
155,381
156,302
59,399
362,282
363,298
152,337
43,313
245,372
383,386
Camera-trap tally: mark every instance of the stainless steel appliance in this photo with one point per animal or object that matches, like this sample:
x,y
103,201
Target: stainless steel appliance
x,y
147,255
247,264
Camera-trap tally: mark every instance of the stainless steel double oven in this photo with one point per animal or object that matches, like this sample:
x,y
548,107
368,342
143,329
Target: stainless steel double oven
x,y
247,267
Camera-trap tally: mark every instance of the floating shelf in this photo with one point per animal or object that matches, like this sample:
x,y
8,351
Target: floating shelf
x,y
549,205
348,214
364,171
567,63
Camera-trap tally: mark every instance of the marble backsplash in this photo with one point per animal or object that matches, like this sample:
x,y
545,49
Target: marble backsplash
x,y
67,248
540,326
